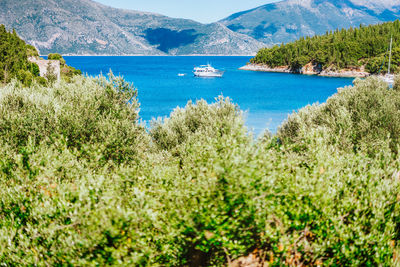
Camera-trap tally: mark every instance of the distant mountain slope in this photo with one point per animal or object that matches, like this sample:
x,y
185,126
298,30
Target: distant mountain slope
x,y
290,19
86,27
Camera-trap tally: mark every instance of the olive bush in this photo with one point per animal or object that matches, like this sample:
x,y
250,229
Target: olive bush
x,y
365,116
86,113
83,183
200,119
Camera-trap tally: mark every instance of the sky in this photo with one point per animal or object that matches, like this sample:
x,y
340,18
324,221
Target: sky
x,y
205,11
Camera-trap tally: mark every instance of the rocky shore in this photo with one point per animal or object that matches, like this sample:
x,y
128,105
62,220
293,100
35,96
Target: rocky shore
x,y
309,69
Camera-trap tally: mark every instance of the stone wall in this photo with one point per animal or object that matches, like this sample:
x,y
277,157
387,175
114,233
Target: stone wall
x,y
43,65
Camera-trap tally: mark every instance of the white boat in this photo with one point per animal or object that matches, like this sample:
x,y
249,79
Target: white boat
x,y
389,78
181,74
207,71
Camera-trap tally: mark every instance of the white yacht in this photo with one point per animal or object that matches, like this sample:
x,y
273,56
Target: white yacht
x,y
389,78
207,71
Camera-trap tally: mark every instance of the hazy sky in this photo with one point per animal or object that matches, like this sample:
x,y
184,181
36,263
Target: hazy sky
x,y
205,11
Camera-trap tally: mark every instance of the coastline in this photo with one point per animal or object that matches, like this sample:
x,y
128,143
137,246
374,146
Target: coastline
x,y
308,70
144,55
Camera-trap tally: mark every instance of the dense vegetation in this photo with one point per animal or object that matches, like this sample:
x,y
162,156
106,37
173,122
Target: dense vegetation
x,y
83,183
14,62
67,72
352,48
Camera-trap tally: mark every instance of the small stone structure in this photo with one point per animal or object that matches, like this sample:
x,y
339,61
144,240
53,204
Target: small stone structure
x,y
44,64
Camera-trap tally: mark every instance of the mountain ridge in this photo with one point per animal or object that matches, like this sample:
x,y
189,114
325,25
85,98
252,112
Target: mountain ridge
x,y
85,27
286,21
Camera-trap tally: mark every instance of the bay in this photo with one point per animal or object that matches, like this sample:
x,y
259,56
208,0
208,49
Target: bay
x,y
267,98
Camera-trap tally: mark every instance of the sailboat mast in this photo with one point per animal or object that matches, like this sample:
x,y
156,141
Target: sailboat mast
x,y
390,55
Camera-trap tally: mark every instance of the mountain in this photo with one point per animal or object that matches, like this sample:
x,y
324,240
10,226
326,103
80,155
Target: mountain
x,y
288,20
86,27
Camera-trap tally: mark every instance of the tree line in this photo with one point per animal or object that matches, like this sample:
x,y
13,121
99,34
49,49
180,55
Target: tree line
x,y
366,46
14,63
14,53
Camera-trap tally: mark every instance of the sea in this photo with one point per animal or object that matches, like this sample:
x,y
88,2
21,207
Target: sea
x,y
266,98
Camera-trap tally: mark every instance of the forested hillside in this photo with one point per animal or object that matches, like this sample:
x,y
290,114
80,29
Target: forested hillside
x,y
14,54
288,20
352,48
14,63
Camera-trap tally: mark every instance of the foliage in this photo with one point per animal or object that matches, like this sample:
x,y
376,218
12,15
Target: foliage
x,y
14,54
352,48
14,58
67,72
41,81
31,51
80,113
396,85
56,56
84,183
51,75
356,118
34,69
198,119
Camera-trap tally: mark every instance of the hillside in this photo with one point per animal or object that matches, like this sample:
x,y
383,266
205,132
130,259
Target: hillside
x,y
85,27
363,48
289,20
14,62
19,60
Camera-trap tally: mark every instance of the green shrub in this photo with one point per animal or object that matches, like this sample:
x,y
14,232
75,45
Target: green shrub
x,y
84,184
14,54
85,112
396,85
25,77
365,116
56,56
51,74
31,51
34,69
67,72
196,119
41,81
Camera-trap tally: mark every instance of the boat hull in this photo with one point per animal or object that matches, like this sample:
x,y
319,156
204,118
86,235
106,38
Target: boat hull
x,y
209,74
388,78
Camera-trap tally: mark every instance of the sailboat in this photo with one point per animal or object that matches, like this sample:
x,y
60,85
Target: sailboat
x,y
389,77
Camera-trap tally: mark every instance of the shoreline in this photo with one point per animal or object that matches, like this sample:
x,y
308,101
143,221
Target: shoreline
x,y
306,71
135,55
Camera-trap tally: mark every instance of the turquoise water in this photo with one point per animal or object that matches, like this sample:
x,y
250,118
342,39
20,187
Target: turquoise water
x,y
267,98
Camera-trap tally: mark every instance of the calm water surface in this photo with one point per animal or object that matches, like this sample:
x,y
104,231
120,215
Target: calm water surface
x,y
267,98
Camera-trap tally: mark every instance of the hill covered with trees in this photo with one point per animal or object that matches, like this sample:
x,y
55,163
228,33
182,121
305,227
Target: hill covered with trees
x,y
14,53
358,48
288,20
14,63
